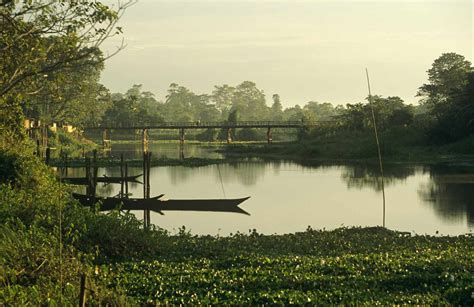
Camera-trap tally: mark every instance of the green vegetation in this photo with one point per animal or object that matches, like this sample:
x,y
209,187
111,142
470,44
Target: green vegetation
x,y
71,144
345,266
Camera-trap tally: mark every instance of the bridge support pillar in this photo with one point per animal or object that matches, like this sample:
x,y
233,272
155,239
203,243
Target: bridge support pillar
x,y
229,135
145,140
106,139
181,136
269,135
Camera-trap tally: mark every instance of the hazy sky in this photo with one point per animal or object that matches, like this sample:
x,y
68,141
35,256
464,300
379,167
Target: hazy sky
x,y
303,50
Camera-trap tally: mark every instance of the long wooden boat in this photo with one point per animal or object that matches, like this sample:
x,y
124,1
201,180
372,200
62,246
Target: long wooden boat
x,y
157,204
104,179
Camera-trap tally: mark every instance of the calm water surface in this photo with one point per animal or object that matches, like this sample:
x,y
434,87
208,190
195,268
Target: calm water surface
x,y
288,197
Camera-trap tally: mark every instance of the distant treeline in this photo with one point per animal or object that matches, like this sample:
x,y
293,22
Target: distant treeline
x,y
445,112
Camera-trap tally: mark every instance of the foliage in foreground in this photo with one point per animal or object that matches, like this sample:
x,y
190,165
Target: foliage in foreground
x,y
425,273
33,259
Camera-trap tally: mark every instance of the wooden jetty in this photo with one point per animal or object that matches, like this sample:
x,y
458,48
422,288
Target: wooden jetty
x,y
158,204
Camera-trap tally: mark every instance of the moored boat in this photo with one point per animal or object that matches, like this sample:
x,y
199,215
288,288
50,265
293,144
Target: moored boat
x,y
104,179
158,204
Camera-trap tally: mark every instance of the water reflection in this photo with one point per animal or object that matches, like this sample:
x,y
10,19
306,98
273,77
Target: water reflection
x,y
289,196
166,150
451,196
368,175
449,190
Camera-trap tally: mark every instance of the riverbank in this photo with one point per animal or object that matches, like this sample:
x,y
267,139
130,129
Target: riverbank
x,y
357,148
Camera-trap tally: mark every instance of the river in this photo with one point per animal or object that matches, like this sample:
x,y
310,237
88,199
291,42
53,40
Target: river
x,y
288,197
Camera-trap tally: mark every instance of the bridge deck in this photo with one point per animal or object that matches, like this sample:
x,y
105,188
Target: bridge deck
x,y
206,125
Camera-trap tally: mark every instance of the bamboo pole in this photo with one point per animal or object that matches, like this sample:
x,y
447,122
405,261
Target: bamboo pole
x,y
378,146
144,188
148,184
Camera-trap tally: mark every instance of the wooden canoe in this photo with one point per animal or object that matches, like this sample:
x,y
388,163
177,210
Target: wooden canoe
x,y
104,179
157,204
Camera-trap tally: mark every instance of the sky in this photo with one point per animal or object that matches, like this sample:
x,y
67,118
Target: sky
x,y
302,50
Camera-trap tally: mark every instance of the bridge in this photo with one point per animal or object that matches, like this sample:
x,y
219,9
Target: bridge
x,y
183,126
203,125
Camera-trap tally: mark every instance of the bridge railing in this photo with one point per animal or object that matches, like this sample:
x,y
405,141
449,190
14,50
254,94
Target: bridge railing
x,y
199,124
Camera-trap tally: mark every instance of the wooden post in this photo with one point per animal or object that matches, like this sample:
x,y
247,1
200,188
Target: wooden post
x,y
145,212
181,136
121,175
95,169
269,135
181,151
148,185
145,140
48,155
126,182
106,139
229,135
38,152
82,295
44,137
88,177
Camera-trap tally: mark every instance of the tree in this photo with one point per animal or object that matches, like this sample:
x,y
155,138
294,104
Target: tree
x,y
250,102
135,106
293,114
320,111
222,98
72,95
457,121
447,76
183,105
38,37
277,108
449,96
41,38
178,104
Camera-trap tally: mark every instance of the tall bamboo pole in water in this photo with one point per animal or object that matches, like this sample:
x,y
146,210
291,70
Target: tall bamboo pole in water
x,y
378,144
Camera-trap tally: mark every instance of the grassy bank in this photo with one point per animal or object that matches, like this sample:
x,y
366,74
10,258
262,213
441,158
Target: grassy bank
x,y
47,242
396,146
